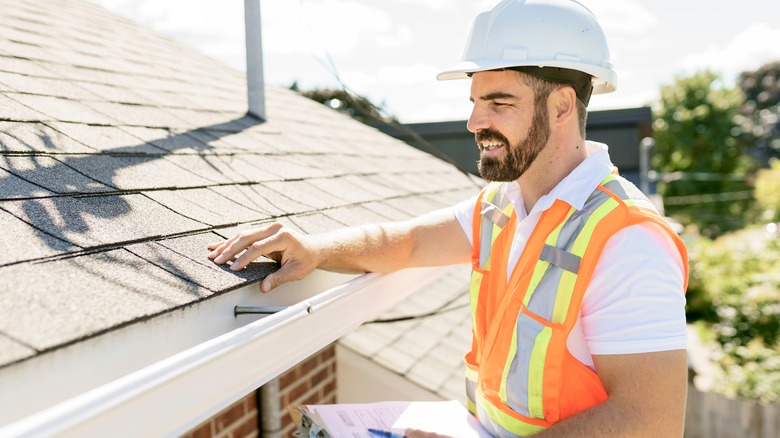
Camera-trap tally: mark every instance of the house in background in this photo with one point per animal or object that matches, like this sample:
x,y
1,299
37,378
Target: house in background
x,y
122,156
621,129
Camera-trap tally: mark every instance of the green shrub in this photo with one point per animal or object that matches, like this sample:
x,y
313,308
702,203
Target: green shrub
x,y
739,274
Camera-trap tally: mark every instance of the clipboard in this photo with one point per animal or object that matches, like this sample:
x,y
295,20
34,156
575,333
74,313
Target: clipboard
x,y
309,424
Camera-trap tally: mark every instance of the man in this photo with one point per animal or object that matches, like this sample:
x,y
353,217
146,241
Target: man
x,y
577,285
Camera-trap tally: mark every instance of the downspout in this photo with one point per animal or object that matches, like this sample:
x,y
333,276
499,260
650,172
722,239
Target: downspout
x,y
269,410
254,59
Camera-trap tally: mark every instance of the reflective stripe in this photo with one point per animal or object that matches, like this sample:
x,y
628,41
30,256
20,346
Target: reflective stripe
x,y
628,192
560,258
518,377
494,214
501,424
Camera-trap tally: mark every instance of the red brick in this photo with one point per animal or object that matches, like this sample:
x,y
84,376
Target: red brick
x,y
202,431
319,377
329,353
309,365
250,402
247,428
296,393
290,376
229,416
330,387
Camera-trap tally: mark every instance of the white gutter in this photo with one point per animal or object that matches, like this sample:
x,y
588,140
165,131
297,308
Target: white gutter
x,y
176,394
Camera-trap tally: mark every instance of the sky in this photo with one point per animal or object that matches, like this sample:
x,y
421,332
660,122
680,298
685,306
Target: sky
x,y
391,50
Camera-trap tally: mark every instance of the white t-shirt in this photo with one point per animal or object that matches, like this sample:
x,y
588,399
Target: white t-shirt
x,y
635,302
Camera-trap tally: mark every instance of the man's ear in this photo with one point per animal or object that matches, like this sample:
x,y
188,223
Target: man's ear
x,y
564,101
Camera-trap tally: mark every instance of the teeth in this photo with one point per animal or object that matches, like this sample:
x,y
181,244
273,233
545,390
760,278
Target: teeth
x,y
491,146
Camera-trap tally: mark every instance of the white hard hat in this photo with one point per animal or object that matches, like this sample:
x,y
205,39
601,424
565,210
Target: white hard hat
x,y
537,33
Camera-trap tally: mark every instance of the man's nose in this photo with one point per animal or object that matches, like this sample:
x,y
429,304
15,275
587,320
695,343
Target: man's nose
x,y
477,120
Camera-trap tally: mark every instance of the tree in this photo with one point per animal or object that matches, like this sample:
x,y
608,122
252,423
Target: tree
x,y
761,110
701,154
357,107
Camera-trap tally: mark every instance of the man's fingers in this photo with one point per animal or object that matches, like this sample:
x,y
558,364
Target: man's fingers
x,y
228,249
257,249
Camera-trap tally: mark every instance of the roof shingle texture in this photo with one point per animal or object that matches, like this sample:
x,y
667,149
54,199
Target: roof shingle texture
x,y
123,154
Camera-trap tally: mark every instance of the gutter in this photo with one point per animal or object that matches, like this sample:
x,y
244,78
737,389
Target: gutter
x,y
176,394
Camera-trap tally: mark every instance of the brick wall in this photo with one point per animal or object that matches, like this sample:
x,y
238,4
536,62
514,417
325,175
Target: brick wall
x,y
312,381
236,421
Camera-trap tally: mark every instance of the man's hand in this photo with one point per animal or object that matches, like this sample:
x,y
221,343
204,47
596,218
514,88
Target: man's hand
x,y
294,251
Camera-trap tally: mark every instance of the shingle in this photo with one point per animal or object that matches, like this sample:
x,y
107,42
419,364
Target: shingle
x,y
185,257
354,188
83,296
414,205
19,241
64,110
355,215
106,138
261,198
206,206
35,137
305,192
13,187
102,220
23,66
223,169
136,115
164,139
135,173
265,198
15,110
388,211
49,173
11,350
45,86
316,223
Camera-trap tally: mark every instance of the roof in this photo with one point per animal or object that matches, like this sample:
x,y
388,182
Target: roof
x,y
123,154
426,350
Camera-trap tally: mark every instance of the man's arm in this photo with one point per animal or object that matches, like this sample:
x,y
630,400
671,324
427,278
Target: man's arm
x,y
429,240
647,393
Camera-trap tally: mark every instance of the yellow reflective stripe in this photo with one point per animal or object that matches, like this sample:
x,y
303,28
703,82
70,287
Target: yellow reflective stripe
x,y
476,282
471,375
568,280
541,265
472,407
563,297
508,365
536,373
507,422
581,243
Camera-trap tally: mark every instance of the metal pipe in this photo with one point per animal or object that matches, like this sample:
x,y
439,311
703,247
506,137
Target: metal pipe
x,y
645,146
270,410
257,310
254,59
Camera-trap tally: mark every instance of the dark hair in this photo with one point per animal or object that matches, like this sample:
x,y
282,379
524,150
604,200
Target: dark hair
x,y
542,88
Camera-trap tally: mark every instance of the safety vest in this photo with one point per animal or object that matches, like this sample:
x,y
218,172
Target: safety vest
x,y
520,377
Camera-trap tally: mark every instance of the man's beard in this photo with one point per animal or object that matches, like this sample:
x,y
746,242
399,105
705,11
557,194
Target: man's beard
x,y
519,157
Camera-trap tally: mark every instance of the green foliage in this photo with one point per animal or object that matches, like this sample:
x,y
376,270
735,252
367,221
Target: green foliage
x,y
761,110
768,191
697,133
357,107
740,275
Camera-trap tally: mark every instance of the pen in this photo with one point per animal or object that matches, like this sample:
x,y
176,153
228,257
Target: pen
x,y
385,433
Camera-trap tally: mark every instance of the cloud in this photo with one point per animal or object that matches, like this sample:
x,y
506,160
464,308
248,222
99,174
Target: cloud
x,y
749,50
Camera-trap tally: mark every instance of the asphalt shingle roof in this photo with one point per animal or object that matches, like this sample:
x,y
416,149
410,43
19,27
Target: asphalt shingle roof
x,y
122,154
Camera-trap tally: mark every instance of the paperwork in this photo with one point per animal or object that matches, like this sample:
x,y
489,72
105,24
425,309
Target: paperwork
x,y
354,420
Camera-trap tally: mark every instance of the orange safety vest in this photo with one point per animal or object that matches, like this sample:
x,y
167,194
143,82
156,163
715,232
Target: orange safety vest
x,y
520,377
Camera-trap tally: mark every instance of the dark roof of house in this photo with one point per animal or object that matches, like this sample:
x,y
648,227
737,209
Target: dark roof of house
x,y
123,154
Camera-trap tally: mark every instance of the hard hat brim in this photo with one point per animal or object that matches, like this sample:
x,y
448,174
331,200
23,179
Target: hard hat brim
x,y
604,79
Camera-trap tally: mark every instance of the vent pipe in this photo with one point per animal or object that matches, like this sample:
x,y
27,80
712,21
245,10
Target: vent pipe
x,y
254,59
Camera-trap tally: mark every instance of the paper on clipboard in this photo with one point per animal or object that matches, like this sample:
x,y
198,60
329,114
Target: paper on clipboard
x,y
354,420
